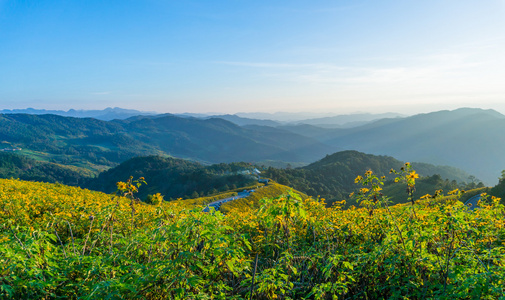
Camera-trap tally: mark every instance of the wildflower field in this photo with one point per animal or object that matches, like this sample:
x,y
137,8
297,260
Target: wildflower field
x,y
63,242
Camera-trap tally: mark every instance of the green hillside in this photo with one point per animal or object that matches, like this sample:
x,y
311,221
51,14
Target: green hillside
x,y
176,178
22,167
95,144
216,140
333,177
82,142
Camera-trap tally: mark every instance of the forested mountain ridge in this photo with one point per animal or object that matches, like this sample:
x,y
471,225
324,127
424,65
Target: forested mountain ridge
x,y
469,139
25,168
105,114
84,141
176,178
466,138
333,177
245,121
217,140
71,141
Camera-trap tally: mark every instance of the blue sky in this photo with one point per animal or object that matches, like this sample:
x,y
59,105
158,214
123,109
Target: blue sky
x,y
245,56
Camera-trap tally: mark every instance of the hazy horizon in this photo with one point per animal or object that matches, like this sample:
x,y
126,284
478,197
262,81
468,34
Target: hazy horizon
x,y
228,57
276,115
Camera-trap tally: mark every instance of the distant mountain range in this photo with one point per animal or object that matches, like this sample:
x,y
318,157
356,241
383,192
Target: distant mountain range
x,y
90,142
469,139
105,114
346,121
332,121
246,121
108,114
320,118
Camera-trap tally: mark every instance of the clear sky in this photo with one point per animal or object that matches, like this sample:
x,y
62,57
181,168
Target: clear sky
x,y
244,56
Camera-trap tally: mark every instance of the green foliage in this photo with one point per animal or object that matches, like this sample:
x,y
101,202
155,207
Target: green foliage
x,y
155,199
62,242
18,166
272,190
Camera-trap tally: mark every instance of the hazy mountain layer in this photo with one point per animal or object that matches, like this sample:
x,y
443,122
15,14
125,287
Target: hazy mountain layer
x,y
346,121
85,141
105,114
470,139
246,121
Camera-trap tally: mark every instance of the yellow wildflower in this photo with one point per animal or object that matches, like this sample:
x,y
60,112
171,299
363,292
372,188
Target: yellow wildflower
x,y
413,175
453,192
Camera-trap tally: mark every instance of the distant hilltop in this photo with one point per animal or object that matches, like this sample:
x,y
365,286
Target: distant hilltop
x,y
107,114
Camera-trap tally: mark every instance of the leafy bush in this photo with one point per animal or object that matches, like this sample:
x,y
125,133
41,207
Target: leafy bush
x,y
63,242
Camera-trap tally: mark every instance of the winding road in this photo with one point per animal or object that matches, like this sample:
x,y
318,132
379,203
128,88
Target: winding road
x,y
474,200
217,204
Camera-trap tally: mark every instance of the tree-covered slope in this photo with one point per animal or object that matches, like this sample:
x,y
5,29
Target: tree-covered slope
x,y
75,141
216,140
333,176
176,178
17,166
85,141
470,139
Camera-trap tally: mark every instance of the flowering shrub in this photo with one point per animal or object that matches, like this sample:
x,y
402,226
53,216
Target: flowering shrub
x,y
64,242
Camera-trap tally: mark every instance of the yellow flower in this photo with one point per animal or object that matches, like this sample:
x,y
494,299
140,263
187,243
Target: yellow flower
x,y
453,192
121,186
363,190
358,179
413,175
